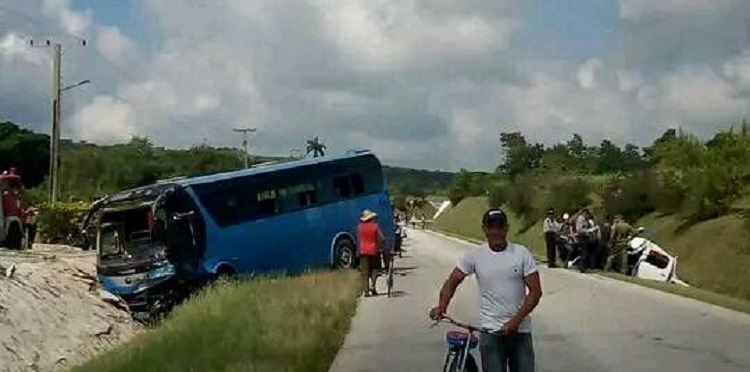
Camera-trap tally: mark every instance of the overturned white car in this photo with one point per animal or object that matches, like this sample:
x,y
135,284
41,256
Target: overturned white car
x,y
647,260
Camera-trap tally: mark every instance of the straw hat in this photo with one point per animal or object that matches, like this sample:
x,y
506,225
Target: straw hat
x,y
367,215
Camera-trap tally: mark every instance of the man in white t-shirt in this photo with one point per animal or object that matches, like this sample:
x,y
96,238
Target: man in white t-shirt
x,y
504,272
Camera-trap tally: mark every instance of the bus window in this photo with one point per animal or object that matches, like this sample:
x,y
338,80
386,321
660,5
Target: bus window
x,y
358,185
342,186
267,203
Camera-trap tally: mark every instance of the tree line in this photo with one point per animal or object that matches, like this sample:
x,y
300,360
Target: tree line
x,y
88,171
677,174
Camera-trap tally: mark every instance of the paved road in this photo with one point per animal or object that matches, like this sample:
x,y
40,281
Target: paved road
x,y
584,322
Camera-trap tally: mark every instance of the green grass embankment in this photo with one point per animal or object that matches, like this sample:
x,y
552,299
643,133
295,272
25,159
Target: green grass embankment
x,y
267,324
713,255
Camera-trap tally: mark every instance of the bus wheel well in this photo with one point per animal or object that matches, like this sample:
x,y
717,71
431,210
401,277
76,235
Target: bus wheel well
x,y
225,270
344,252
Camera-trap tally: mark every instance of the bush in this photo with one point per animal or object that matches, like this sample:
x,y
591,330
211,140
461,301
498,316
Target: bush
x,y
519,195
496,197
58,223
670,189
568,194
713,188
629,196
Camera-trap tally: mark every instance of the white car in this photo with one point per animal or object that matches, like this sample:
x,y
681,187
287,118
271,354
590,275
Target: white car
x,y
649,261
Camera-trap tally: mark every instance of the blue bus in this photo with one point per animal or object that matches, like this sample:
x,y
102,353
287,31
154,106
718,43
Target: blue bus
x,y
279,217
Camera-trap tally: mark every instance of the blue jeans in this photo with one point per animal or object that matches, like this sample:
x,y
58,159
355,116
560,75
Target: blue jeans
x,y
513,353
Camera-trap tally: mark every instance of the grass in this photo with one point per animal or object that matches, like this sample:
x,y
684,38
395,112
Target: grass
x,y
267,324
689,292
713,255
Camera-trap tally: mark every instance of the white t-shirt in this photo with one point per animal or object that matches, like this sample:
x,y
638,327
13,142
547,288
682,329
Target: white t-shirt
x,y
501,286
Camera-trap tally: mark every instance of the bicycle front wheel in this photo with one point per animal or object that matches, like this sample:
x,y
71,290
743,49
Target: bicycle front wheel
x,y
453,359
390,278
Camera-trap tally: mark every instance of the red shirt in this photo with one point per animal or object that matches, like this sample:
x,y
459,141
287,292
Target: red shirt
x,y
368,238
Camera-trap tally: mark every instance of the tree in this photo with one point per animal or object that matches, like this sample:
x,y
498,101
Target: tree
x,y
26,151
315,147
520,157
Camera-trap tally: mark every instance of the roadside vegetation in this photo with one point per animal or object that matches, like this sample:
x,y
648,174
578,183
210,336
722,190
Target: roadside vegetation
x,y
266,324
690,195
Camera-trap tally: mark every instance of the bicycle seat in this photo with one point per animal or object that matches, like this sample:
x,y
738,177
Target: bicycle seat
x,y
457,339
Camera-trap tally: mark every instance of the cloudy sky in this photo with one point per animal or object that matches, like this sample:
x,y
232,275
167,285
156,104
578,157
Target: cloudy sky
x,y
423,83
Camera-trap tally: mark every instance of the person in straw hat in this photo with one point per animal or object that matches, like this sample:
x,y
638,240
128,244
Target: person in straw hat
x,y
370,237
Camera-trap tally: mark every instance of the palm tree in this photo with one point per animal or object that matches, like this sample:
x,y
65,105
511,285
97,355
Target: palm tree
x,y
315,147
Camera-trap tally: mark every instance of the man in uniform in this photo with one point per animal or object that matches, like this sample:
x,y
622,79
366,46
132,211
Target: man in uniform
x,y
621,234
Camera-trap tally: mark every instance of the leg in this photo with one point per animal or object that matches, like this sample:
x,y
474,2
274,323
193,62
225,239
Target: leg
x,y
493,354
374,268
583,262
364,270
549,239
623,253
521,353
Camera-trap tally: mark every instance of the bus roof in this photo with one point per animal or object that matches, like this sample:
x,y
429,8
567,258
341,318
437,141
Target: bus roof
x,y
271,167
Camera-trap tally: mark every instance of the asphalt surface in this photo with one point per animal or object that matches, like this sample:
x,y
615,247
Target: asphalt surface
x,y
583,323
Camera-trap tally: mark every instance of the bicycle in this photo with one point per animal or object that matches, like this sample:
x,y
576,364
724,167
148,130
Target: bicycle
x,y
459,357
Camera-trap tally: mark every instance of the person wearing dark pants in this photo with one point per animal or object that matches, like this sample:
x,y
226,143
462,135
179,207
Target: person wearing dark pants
x,y
509,288
551,230
513,352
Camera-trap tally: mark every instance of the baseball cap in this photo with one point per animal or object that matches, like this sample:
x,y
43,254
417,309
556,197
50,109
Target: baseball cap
x,y
494,216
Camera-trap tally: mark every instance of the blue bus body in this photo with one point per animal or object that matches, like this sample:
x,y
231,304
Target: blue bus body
x,y
283,217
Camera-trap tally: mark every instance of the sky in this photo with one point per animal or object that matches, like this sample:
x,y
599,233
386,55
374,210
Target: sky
x,y
422,83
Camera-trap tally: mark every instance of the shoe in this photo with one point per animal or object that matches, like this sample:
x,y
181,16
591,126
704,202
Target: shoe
x,y
553,266
373,292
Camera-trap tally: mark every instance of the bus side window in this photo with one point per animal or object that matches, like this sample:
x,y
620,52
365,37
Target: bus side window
x,y
358,185
342,186
267,203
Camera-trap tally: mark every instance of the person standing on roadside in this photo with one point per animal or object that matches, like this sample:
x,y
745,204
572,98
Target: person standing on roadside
x,y
584,239
370,238
621,234
551,230
504,272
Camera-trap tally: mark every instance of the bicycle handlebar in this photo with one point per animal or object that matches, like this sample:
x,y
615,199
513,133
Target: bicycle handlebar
x,y
468,327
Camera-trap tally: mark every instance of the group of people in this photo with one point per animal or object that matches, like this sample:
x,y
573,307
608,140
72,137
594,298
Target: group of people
x,y
583,242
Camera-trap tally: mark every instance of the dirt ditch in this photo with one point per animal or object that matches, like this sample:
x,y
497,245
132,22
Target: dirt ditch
x,y
53,314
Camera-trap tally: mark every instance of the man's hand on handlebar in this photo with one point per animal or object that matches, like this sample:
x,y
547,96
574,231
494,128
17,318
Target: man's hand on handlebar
x,y
437,313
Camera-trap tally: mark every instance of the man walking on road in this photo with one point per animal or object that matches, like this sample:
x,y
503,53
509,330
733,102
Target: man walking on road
x,y
504,271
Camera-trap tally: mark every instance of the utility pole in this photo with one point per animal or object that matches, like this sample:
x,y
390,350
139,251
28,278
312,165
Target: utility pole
x,y
54,150
56,118
246,142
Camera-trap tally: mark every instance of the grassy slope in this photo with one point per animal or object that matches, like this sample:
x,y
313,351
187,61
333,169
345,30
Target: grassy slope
x,y
712,255
280,324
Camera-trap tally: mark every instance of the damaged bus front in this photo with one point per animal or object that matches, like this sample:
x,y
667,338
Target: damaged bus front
x,y
148,243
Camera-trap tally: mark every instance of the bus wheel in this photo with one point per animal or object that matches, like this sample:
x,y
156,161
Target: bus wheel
x,y
15,237
345,256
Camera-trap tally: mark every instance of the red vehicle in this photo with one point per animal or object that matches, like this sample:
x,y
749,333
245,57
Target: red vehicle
x,y
11,210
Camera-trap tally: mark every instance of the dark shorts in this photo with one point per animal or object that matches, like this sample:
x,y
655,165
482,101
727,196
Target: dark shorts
x,y
368,264
514,353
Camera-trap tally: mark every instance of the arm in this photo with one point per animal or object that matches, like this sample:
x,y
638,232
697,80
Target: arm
x,y
446,293
534,284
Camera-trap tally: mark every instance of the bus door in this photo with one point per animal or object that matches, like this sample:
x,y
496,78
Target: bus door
x,y
185,232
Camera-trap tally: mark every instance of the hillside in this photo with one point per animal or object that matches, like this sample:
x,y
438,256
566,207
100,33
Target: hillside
x,y
406,181
712,255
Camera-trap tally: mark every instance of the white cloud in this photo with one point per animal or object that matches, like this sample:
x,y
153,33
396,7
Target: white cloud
x,y
114,46
105,120
738,70
629,80
13,47
697,92
589,73
73,22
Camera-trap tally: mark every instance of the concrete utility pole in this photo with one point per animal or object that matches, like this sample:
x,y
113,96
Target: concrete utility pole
x,y
246,142
54,145
55,129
